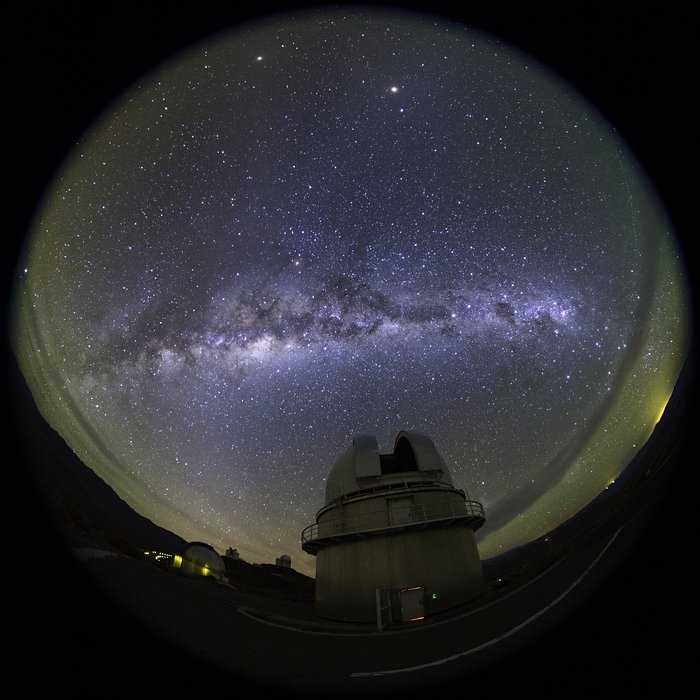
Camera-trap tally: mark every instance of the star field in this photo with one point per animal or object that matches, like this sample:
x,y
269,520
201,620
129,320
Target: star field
x,y
339,223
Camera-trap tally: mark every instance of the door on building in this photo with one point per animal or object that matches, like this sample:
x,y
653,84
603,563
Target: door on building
x,y
400,510
412,603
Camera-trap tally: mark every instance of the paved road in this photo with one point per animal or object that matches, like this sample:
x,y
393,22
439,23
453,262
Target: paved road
x,y
285,648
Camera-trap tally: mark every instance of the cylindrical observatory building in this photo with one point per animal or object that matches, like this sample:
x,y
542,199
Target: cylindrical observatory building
x,y
395,538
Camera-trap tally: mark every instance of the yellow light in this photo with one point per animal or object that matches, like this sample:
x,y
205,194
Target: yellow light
x,y
660,414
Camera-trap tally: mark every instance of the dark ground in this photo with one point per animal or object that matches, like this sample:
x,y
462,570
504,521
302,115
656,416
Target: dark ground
x,y
124,624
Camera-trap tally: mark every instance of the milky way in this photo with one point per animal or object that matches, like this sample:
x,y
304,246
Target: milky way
x,y
330,224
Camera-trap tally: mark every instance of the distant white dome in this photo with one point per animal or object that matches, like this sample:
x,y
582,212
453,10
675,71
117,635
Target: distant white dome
x,y
414,458
285,560
204,556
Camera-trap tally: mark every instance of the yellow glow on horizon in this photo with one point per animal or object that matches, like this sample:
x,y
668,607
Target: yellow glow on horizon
x,y
660,413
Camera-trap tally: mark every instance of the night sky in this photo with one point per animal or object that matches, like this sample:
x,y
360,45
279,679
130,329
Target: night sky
x,y
339,223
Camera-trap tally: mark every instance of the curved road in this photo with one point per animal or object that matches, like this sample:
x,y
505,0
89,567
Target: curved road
x,y
278,649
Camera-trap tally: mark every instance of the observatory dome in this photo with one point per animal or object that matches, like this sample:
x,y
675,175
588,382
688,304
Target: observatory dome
x,y
285,561
361,466
395,537
203,555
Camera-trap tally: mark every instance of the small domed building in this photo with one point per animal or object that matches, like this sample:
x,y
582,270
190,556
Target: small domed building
x,y
395,538
201,559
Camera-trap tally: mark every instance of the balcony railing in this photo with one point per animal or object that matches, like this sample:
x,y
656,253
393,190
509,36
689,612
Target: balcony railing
x,y
417,515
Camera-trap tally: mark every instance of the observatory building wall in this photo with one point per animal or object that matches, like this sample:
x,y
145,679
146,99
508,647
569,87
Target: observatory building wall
x,y
445,561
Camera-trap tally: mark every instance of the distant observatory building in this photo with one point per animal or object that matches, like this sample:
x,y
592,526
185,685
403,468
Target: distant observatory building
x,y
200,559
395,538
